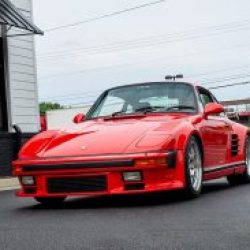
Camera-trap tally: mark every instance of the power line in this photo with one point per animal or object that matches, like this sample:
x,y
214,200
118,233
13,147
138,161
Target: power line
x,y
104,16
217,87
230,85
80,71
221,70
95,96
223,79
231,25
152,40
96,92
87,95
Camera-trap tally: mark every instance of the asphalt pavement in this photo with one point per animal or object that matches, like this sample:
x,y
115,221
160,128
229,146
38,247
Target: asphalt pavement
x,y
219,219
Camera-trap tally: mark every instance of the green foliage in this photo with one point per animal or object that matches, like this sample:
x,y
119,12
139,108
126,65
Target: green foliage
x,y
46,106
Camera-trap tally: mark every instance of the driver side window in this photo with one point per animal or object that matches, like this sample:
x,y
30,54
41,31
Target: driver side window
x,y
205,97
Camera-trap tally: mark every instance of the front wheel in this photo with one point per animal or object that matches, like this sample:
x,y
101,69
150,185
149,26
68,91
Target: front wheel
x,y
245,177
50,201
193,169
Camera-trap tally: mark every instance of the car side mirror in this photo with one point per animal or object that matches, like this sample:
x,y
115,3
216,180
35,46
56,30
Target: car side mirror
x,y
213,108
79,118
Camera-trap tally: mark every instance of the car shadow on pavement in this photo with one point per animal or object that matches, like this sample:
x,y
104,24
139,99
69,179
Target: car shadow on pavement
x,y
116,201
134,201
215,186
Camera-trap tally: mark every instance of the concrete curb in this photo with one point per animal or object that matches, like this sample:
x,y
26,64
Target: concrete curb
x,y
9,184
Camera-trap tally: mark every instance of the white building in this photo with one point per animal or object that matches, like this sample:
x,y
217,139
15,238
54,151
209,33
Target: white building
x,y
18,83
57,119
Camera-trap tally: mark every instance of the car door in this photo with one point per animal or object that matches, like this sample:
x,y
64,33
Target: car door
x,y
215,131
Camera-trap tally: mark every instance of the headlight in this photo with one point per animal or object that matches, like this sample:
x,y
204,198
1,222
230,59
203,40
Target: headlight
x,y
28,180
132,176
153,139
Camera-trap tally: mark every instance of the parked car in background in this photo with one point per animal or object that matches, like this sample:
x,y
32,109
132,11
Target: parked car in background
x,y
240,117
43,122
139,138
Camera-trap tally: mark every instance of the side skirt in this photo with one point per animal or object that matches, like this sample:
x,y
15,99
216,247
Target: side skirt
x,y
233,165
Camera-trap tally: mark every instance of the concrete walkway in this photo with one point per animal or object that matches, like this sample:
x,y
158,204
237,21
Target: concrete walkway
x,y
8,183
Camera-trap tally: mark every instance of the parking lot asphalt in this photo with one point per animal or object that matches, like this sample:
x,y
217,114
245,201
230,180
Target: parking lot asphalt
x,y
219,219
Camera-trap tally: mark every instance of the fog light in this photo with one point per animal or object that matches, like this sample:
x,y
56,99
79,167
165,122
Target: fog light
x,y
28,180
132,176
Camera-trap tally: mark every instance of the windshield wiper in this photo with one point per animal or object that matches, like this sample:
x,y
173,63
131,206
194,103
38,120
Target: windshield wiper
x,y
122,113
118,113
143,110
148,109
180,107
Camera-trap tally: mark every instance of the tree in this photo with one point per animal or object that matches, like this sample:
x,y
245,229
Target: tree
x,y
46,106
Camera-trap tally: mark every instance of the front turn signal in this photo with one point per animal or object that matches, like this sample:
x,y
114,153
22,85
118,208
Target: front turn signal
x,y
151,162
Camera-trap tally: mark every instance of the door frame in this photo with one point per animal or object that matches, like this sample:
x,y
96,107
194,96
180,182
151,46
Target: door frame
x,y
4,77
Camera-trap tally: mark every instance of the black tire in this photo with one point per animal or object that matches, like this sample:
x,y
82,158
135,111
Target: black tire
x,y
191,190
244,178
50,201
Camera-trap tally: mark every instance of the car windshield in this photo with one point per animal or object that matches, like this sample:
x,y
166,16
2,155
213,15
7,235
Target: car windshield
x,y
146,98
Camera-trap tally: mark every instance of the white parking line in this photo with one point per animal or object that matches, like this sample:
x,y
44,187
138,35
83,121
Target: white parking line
x,y
9,184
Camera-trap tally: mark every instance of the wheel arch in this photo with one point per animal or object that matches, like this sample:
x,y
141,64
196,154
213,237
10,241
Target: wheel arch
x,y
248,132
200,143
185,137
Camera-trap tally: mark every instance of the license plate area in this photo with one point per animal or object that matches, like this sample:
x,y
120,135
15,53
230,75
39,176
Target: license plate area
x,y
76,184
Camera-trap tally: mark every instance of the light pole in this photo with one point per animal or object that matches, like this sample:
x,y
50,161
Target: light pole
x,y
173,77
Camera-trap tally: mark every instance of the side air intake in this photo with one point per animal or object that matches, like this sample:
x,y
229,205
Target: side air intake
x,y
234,145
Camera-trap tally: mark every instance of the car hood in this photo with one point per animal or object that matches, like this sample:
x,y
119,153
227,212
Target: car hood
x,y
114,136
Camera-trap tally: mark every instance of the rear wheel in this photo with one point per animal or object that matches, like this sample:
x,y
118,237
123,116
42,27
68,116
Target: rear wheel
x,y
245,177
193,169
50,201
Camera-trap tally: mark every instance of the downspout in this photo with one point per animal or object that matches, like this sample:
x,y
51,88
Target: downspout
x,y
18,139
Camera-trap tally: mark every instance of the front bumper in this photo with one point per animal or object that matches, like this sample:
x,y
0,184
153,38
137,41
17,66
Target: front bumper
x,y
156,177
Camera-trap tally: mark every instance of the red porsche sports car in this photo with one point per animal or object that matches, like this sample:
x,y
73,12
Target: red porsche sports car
x,y
137,138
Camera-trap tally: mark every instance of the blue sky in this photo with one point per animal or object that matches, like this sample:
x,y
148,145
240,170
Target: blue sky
x,y
207,41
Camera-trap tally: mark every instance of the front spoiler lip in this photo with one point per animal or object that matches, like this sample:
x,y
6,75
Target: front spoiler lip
x,y
171,185
79,159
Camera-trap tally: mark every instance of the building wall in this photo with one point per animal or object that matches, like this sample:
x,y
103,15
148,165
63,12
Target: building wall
x,y
21,90
22,78
56,119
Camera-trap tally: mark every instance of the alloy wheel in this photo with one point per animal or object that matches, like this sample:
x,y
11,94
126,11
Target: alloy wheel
x,y
195,166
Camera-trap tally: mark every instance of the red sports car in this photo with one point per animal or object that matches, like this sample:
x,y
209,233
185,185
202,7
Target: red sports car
x,y
136,139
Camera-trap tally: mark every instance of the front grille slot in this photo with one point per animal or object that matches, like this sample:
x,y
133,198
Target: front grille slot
x,y
77,184
30,190
134,186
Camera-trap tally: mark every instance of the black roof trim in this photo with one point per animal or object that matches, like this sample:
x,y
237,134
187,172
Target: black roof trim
x,y
147,83
10,15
